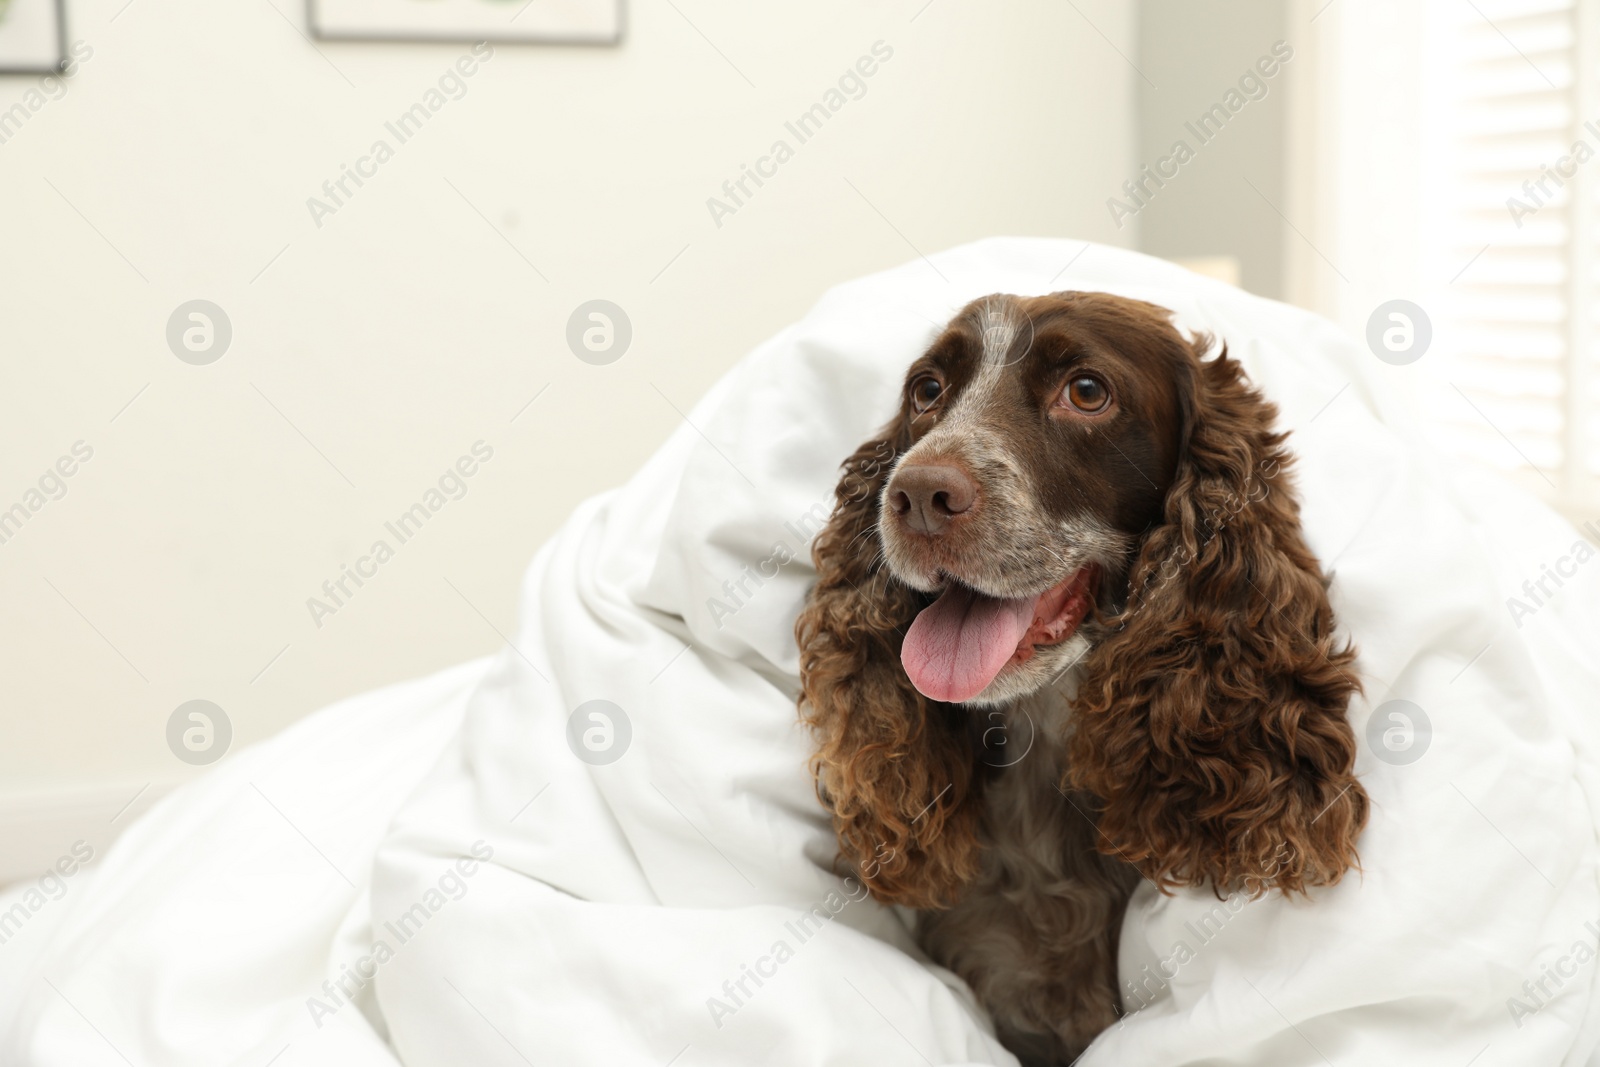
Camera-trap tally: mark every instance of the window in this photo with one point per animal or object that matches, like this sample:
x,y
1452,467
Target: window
x,y
1448,153
1513,161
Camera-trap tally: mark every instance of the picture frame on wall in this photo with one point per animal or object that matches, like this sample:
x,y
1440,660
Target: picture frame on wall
x,y
33,36
579,22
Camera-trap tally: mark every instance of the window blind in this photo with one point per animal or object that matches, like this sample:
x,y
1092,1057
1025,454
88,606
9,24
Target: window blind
x,y
1512,117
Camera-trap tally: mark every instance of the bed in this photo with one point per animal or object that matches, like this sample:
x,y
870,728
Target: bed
x,y
602,845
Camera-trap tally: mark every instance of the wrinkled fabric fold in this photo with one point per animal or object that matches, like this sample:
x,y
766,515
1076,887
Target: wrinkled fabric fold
x,y
604,846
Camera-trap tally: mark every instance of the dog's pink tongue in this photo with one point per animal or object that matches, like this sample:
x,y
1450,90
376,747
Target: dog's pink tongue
x,y
957,644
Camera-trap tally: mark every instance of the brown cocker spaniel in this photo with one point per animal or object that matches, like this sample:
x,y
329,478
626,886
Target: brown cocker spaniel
x,y
1066,632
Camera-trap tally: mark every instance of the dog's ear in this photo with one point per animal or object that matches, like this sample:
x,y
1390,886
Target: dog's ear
x,y
1212,719
895,768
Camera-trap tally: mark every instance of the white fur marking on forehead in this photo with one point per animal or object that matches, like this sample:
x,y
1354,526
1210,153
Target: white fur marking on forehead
x,y
959,428
998,324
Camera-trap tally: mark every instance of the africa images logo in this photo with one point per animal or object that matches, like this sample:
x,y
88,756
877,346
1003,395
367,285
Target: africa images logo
x,y
852,85
1205,128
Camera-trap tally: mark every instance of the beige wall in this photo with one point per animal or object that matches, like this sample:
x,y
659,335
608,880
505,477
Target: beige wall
x,y
1227,199
368,354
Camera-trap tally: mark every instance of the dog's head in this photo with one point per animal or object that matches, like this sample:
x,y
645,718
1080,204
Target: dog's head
x,y
1058,459
1044,435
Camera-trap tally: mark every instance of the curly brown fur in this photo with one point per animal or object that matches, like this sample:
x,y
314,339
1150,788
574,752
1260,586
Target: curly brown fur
x,y
1192,729
894,767
1211,719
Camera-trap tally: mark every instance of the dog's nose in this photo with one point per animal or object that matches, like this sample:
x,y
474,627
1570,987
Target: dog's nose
x,y
927,496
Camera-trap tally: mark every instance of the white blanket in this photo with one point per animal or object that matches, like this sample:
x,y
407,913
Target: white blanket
x,y
326,899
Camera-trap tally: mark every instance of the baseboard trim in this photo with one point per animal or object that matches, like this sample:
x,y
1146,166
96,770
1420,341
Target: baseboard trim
x,y
39,828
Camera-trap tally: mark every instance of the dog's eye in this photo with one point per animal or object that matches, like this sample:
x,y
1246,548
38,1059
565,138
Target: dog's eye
x,y
925,391
1088,394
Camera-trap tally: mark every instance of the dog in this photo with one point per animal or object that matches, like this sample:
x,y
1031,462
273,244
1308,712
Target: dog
x,y
1066,633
